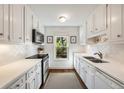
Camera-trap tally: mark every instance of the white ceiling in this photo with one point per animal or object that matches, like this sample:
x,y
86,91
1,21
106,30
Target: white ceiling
x,y
48,13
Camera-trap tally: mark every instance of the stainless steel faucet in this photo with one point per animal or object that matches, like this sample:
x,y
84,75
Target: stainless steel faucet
x,y
99,54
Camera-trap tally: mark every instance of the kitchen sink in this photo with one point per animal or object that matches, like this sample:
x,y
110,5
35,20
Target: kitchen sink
x,y
95,60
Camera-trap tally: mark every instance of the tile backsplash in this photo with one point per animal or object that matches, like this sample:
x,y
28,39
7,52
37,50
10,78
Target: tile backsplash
x,y
112,51
10,53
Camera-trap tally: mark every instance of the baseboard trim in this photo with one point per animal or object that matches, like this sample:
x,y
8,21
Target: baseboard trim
x,y
60,70
80,80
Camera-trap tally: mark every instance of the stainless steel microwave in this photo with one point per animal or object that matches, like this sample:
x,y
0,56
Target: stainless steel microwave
x,y
37,37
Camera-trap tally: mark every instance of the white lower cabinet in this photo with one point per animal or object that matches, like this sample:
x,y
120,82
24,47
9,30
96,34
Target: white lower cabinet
x,y
19,84
77,65
87,74
93,77
82,72
30,80
90,77
38,76
31,83
34,77
100,82
103,81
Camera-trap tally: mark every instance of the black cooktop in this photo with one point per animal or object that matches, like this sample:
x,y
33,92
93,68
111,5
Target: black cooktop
x,y
38,56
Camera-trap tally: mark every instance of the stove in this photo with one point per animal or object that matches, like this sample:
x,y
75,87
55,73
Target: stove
x,y
38,56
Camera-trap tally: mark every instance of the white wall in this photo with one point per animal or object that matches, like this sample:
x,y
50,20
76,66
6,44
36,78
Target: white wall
x,y
12,52
62,31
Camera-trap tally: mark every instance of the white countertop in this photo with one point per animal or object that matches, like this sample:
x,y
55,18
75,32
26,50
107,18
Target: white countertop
x,y
114,69
10,72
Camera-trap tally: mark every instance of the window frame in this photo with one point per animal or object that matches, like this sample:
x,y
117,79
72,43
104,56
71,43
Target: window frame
x,y
55,48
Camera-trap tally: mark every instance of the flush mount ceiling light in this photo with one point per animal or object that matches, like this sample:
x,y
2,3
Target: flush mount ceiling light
x,y
62,19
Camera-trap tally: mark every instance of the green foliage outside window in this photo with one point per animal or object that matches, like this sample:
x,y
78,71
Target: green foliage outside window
x,y
61,47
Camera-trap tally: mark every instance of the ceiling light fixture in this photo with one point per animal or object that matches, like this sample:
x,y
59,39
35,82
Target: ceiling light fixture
x,y
62,19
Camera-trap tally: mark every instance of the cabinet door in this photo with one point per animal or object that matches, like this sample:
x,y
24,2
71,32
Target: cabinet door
x,y
38,79
38,75
28,24
77,65
16,23
100,84
115,22
90,25
82,71
1,21
4,22
19,84
41,28
90,77
31,84
82,34
35,22
100,18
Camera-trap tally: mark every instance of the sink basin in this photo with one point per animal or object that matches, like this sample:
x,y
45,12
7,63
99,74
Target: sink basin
x,y
95,60
88,57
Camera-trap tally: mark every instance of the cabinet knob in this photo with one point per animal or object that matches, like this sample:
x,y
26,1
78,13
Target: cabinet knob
x,y
31,71
17,85
96,28
1,34
118,35
20,37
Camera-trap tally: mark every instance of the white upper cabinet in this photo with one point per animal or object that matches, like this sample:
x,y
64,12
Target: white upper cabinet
x,y
17,23
100,18
82,34
96,22
89,25
35,22
41,28
12,23
4,22
116,22
28,24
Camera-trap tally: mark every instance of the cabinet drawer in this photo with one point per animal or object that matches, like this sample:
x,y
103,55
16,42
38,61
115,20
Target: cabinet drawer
x,y
19,83
38,66
31,73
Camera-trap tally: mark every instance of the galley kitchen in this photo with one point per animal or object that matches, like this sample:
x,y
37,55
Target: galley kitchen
x,y
61,46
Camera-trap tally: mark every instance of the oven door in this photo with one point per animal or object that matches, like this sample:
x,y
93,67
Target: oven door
x,y
45,68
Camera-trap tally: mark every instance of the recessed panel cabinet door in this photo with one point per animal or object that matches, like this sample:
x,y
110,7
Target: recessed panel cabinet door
x,y
100,18
1,21
115,22
4,22
17,23
90,25
31,84
82,34
28,24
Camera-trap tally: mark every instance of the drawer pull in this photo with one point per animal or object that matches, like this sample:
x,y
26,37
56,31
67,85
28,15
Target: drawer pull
x,y
96,28
20,37
31,71
17,85
1,34
118,35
